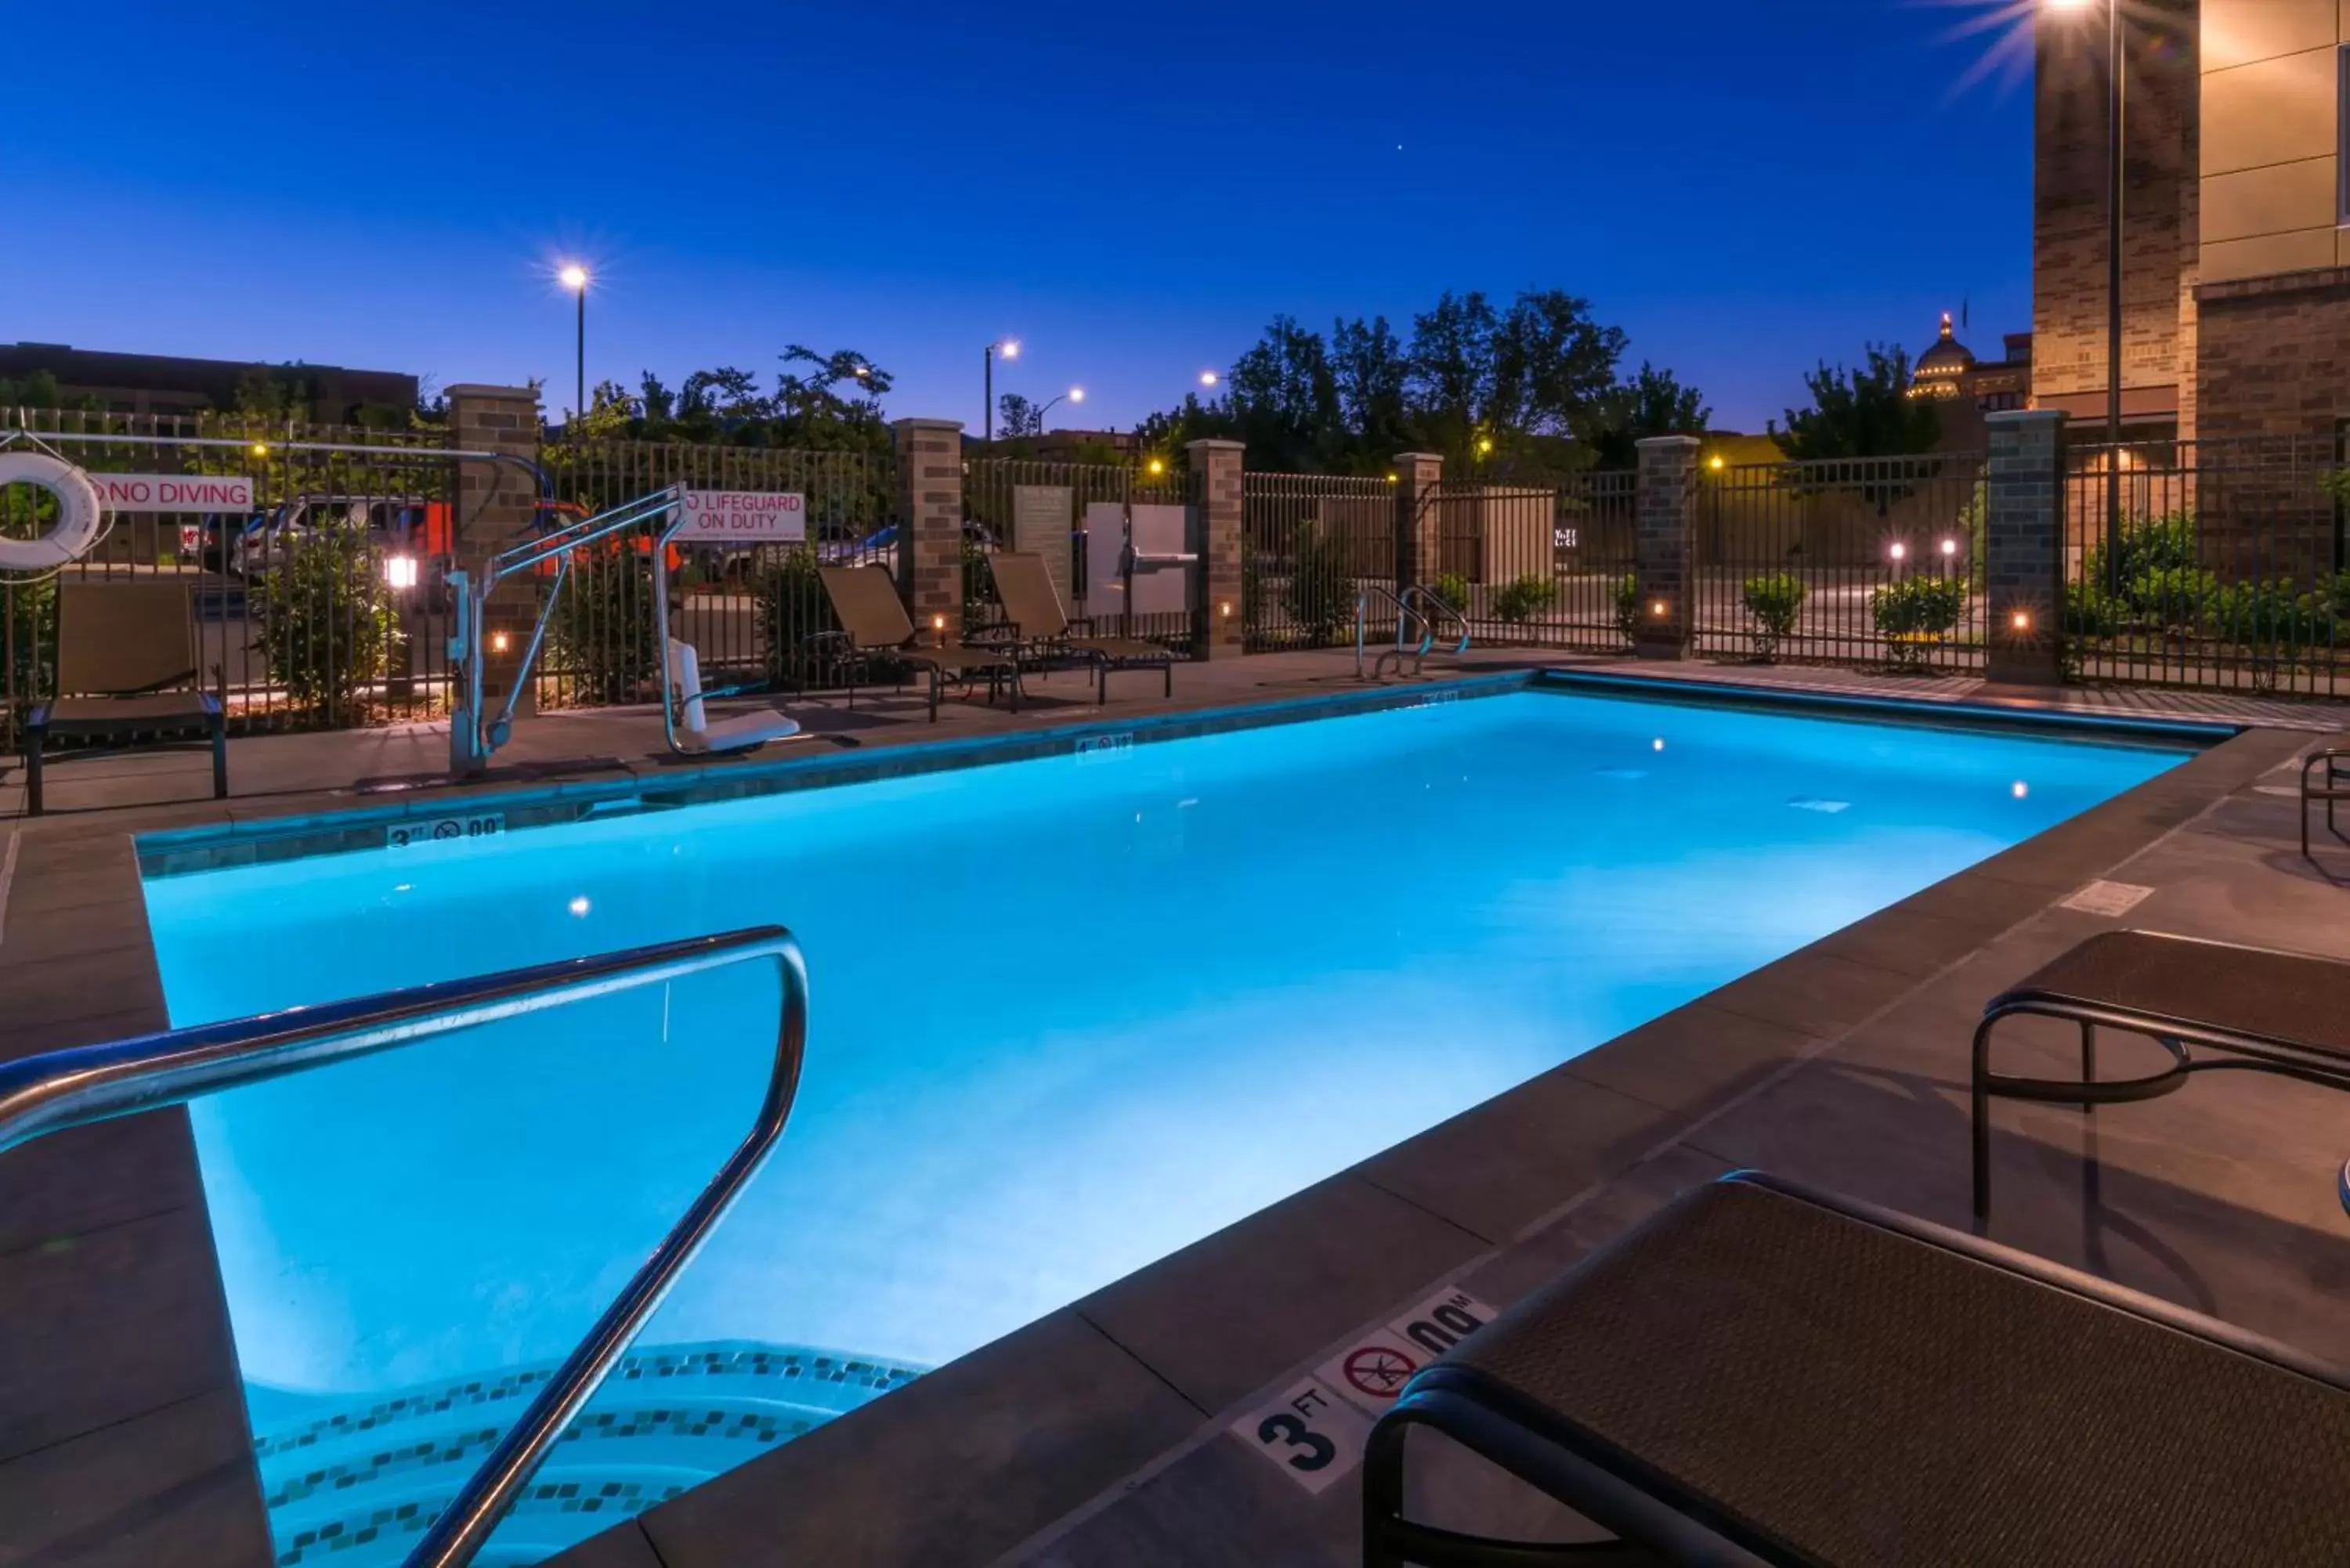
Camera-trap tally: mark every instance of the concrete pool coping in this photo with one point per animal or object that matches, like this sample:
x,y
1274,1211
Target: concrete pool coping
x,y
124,1437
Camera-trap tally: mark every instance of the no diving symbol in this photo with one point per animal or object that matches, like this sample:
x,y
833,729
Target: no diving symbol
x,y
447,828
1379,1372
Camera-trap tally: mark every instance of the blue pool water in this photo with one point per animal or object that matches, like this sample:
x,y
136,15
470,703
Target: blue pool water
x,y
1068,1016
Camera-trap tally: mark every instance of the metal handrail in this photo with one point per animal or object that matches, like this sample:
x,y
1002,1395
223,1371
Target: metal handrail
x,y
62,1089
1444,608
1404,613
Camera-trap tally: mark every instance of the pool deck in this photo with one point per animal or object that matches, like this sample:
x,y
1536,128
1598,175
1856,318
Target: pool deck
x,y
1097,1436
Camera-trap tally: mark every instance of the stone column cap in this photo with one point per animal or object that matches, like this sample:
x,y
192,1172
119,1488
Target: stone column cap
x,y
912,424
1216,443
1418,457
481,389
2025,416
1663,442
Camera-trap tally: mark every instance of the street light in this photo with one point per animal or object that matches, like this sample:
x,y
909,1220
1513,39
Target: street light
x,y
1207,378
1010,349
575,278
1074,395
2117,129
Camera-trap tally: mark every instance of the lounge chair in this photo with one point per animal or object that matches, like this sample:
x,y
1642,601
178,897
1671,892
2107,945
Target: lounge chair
x,y
125,668
692,728
2333,788
2270,1012
1761,1373
872,621
1031,610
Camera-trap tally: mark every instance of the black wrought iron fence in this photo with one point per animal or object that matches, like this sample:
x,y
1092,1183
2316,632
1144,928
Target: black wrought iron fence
x,y
750,613
1309,543
2214,564
1546,566
1863,561
1078,515
314,557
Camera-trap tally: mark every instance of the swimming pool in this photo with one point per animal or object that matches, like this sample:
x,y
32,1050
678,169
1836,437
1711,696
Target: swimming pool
x,y
1069,1015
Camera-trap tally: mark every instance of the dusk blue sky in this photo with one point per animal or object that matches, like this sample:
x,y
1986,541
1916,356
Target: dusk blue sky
x,y
1133,192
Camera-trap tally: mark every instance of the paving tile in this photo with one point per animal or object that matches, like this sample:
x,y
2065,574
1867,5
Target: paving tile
x,y
622,1546
1903,942
957,1467
109,1326
1226,1315
1497,1166
86,1179
1688,1061
1603,1215
1216,1506
1812,992
76,930
1984,902
19,1038
172,1489
82,986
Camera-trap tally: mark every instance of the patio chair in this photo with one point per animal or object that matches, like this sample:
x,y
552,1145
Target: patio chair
x,y
1032,608
694,731
2333,788
2268,1011
1762,1374
872,621
125,668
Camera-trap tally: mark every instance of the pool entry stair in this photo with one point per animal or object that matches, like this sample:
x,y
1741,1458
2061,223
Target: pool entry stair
x,y
1415,607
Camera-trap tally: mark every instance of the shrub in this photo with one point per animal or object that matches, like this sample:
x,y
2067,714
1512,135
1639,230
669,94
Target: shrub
x,y
1320,595
1629,608
603,629
979,601
2172,598
1522,598
324,619
1775,601
1452,589
28,611
2147,545
2270,616
2090,612
1917,612
792,609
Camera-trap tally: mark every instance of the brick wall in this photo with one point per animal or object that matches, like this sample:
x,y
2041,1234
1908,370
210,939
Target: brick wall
x,y
929,547
1217,507
2273,355
1664,524
2069,200
1418,543
497,505
2023,555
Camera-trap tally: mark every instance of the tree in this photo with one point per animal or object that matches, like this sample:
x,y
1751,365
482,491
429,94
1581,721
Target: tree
x,y
1863,412
1652,403
1283,398
1374,381
1017,417
1452,380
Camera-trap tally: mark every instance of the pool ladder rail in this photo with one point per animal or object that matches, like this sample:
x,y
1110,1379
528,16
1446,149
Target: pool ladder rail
x,y
1415,605
63,1089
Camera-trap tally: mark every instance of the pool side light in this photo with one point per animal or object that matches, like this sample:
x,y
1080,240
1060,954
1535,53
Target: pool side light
x,y
580,906
2020,790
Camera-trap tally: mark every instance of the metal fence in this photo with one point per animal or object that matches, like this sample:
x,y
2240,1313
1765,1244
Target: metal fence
x,y
1309,542
1079,516
1867,561
322,603
1548,566
749,613
2213,564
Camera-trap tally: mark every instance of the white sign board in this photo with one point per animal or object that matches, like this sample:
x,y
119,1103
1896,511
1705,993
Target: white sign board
x,y
174,491
742,517
1042,517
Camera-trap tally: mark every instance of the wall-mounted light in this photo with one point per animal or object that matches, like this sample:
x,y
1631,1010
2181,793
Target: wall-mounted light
x,y
1657,610
1226,610
500,641
2020,621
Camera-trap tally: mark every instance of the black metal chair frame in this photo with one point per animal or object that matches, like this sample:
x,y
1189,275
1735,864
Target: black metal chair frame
x,y
1654,1520
1050,653
2177,1036
211,722
2332,792
856,659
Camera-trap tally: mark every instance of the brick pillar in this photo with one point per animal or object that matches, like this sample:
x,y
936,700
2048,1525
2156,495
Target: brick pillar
x,y
2023,546
1216,509
1417,538
930,538
1664,527
496,505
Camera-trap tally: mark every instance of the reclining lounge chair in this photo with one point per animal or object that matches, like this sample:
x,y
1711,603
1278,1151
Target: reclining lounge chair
x,y
125,669
2268,1011
1032,606
1762,1374
872,621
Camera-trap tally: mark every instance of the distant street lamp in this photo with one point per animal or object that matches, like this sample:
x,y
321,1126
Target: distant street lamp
x,y
575,278
1010,349
2117,129
1207,378
1074,395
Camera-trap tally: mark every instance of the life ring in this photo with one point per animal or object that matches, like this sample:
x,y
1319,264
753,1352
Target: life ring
x,y
79,512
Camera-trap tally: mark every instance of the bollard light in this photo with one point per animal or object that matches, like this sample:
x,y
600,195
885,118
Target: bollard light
x,y
400,572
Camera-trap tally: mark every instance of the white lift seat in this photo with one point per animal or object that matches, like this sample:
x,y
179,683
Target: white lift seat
x,y
694,731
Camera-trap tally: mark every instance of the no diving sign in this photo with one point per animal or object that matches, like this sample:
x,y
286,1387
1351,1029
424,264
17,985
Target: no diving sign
x,y
1315,1430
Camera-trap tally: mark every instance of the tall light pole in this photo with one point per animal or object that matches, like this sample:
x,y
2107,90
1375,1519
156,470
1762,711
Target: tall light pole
x,y
1010,349
575,278
1074,395
2117,130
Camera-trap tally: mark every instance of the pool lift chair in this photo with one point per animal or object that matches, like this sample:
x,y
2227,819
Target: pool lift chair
x,y
685,725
